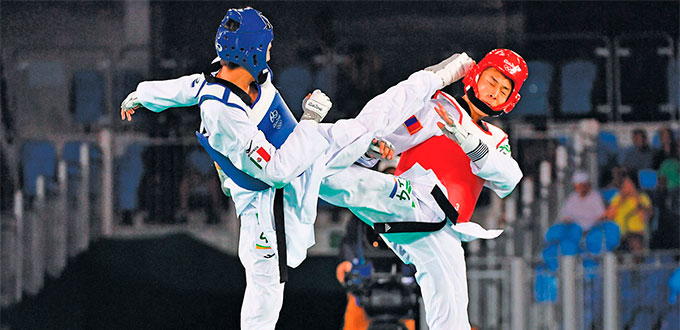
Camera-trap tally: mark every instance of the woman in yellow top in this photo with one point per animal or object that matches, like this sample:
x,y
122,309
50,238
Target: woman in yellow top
x,y
630,209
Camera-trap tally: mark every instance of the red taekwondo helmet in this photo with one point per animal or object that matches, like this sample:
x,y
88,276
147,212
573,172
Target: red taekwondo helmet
x,y
511,65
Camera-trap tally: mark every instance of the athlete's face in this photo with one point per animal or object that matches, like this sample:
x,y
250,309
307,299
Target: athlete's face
x,y
269,51
493,87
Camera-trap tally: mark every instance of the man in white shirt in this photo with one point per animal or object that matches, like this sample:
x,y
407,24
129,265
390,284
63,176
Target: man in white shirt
x,y
584,205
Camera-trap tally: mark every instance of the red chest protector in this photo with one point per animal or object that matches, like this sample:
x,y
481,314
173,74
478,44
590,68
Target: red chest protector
x,y
452,167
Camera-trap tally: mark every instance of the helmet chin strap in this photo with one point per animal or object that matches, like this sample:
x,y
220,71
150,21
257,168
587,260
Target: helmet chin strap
x,y
481,105
262,77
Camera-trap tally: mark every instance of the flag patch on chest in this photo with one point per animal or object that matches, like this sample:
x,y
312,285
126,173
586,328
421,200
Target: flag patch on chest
x,y
412,125
259,157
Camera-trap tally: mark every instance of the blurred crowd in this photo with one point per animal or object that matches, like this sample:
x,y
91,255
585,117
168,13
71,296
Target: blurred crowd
x,y
639,193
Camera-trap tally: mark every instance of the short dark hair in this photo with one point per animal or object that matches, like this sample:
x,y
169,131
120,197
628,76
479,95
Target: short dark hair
x,y
230,65
632,175
640,131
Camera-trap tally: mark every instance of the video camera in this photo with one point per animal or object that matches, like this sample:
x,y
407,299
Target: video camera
x,y
383,286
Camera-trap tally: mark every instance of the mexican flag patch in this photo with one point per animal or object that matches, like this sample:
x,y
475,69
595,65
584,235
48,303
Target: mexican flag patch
x,y
259,157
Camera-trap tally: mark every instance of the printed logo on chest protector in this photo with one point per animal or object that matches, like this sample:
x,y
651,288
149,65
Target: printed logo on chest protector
x,y
402,190
275,119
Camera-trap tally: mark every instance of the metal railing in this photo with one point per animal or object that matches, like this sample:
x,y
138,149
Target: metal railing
x,y
615,291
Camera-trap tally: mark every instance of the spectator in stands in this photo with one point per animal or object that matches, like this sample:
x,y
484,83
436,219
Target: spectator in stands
x,y
612,177
584,205
667,200
630,209
669,172
669,148
666,161
639,155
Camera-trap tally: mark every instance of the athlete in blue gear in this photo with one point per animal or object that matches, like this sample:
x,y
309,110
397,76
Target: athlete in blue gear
x,y
234,93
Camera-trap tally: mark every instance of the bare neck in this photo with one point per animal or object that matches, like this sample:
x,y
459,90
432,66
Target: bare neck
x,y
239,77
474,112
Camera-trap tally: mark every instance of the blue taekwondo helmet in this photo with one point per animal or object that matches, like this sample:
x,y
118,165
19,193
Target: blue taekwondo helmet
x,y
243,38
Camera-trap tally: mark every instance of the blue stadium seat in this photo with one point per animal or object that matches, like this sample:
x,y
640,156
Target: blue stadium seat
x,y
88,88
199,160
71,154
565,235
671,320
578,78
46,73
592,294
644,319
38,158
652,280
608,148
563,232
656,140
628,295
573,233
564,140
570,247
550,256
648,179
555,232
608,194
607,141
130,170
536,90
674,285
546,286
605,234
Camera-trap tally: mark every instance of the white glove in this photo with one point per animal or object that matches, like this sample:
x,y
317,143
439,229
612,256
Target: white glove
x,y
129,105
452,68
381,149
471,145
315,106
451,128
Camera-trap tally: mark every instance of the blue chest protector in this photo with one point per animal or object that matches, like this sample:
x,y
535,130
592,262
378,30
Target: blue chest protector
x,y
277,124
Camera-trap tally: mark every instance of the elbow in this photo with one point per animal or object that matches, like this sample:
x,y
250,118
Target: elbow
x,y
511,183
517,177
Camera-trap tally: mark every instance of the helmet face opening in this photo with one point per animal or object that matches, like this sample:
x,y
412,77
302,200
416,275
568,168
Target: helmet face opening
x,y
232,25
507,62
479,104
243,38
